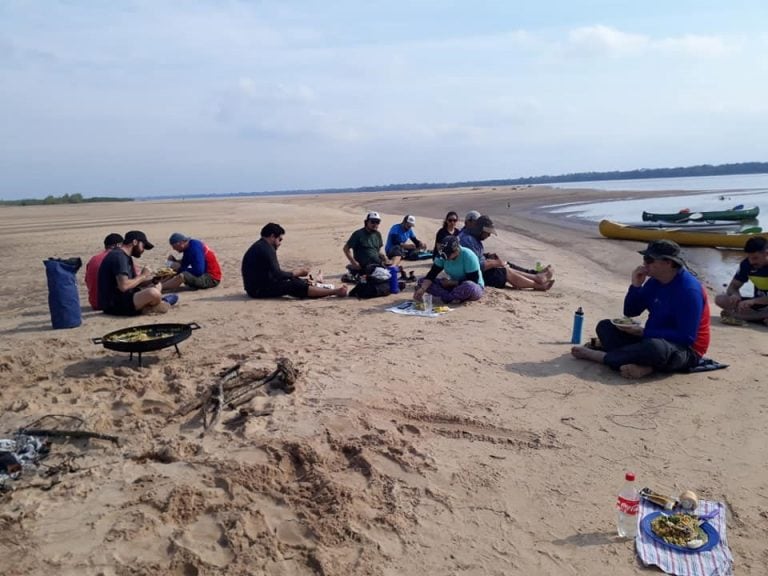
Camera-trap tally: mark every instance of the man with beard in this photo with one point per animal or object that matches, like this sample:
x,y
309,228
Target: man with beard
x,y
364,247
120,288
263,278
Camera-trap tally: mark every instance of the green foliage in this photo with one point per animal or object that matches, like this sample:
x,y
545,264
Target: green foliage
x,y
65,199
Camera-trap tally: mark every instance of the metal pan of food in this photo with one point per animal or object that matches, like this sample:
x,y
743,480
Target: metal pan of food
x,y
147,338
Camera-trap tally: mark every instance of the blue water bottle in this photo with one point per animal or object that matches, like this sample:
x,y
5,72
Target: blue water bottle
x,y
578,323
394,287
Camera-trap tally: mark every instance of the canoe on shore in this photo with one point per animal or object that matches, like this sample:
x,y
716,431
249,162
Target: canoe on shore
x,y
618,231
730,215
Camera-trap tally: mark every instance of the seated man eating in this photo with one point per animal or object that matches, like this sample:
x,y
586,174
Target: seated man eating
x,y
676,334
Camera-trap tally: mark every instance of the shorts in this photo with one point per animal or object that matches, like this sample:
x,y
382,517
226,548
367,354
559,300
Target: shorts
x,y
295,287
123,305
199,282
397,250
495,277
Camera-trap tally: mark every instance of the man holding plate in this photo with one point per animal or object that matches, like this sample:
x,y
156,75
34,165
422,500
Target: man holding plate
x,y
676,334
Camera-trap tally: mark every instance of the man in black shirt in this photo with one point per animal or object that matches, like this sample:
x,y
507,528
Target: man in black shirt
x,y
263,278
120,291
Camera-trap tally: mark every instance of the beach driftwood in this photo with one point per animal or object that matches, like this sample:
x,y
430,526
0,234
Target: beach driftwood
x,y
234,389
69,434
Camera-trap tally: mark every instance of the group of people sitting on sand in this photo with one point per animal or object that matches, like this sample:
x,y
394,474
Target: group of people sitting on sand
x,y
119,287
675,337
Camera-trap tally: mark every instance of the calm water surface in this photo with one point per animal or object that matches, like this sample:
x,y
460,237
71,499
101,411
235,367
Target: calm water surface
x,y
714,266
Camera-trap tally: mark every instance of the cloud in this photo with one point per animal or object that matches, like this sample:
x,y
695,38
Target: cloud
x,y
614,42
605,39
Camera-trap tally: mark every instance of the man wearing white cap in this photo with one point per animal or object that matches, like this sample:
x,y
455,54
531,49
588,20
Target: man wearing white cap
x,y
364,247
402,241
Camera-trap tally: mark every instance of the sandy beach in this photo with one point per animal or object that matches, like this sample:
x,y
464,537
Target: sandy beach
x,y
469,444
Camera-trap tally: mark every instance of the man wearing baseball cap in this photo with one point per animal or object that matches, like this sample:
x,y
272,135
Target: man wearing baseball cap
x,y
364,247
120,287
676,334
402,241
496,272
198,268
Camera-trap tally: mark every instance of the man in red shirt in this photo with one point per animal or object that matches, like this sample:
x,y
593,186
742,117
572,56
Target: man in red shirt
x,y
92,268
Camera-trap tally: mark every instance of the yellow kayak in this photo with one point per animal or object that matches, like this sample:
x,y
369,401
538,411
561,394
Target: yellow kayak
x,y
720,239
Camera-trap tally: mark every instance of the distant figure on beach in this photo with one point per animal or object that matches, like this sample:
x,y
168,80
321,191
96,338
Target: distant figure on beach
x,y
402,242
496,271
111,242
754,268
198,268
676,334
263,278
449,228
464,282
364,249
122,291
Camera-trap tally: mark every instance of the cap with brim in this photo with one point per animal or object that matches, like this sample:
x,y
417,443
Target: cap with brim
x,y
664,250
177,237
448,246
472,215
485,224
373,216
139,236
112,240
410,219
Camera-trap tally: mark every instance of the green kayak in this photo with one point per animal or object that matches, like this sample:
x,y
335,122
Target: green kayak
x,y
734,214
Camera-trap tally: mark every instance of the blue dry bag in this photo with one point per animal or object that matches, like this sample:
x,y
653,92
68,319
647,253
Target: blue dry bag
x,y
63,298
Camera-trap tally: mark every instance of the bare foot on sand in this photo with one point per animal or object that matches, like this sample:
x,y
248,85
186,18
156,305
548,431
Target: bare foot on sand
x,y
546,286
584,353
634,371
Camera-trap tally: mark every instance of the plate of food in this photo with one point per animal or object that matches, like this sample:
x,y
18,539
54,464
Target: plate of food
x,y
625,322
163,274
682,532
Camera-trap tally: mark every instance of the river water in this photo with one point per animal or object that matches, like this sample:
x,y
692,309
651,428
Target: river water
x,y
714,266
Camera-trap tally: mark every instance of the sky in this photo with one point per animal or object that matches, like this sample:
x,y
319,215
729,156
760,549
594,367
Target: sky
x,y
156,97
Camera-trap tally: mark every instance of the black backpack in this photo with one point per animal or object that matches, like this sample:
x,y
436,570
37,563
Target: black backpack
x,y
371,289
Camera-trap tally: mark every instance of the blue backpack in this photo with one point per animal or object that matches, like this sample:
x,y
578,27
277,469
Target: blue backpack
x,y
63,297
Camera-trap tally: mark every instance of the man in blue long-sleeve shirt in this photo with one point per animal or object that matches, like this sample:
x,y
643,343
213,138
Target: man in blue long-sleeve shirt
x,y
198,268
676,334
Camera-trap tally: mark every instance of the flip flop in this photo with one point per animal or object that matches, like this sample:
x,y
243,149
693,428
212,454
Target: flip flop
x,y
171,299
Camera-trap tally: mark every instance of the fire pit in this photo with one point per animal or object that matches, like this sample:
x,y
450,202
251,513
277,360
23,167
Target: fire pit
x,y
147,338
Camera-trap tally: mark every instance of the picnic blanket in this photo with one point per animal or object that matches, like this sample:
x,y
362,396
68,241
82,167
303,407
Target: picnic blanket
x,y
707,364
715,562
409,308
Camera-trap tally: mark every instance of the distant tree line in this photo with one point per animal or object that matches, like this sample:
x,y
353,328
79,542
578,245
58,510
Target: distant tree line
x,y
65,199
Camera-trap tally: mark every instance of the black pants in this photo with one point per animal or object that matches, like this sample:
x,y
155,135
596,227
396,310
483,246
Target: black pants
x,y
662,355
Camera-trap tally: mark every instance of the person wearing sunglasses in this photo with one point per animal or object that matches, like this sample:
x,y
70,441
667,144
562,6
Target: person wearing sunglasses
x,y
676,333
449,228
464,281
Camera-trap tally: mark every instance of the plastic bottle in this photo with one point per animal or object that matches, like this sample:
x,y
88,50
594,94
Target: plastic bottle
x,y
538,267
578,323
627,505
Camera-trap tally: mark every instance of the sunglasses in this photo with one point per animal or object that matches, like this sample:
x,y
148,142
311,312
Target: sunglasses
x,y
374,221
452,220
649,260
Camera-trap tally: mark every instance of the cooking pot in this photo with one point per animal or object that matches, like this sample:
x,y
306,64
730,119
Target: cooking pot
x,y
158,336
